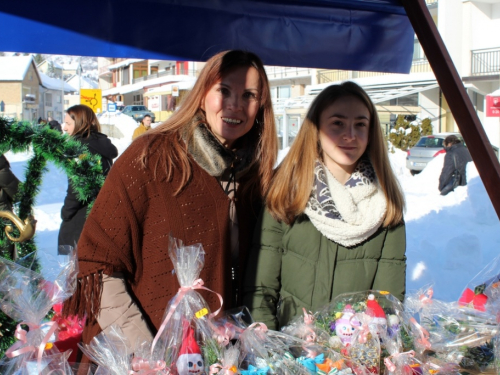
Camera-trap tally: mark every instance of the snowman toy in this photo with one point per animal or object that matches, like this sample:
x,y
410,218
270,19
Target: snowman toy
x,y
345,325
190,361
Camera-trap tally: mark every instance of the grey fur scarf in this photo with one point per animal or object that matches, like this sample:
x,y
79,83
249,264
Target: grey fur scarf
x,y
214,157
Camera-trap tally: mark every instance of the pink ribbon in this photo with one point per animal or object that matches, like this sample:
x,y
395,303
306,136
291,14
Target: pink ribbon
x,y
225,333
140,364
363,328
308,317
424,335
427,296
197,284
258,326
20,334
390,365
216,368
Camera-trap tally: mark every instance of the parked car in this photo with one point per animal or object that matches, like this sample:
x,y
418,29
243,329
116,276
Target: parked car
x,y
137,112
428,147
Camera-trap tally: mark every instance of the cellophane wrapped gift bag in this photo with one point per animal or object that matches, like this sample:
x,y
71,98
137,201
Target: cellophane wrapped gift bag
x,y
268,352
186,340
27,296
449,336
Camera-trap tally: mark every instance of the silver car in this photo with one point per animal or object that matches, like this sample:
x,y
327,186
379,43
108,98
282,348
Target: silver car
x,y
428,147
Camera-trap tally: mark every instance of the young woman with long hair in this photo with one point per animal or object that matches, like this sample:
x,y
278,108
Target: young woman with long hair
x,y
333,221
200,177
82,124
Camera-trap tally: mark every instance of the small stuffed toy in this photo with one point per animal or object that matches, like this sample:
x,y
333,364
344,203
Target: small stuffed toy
x,y
190,361
345,325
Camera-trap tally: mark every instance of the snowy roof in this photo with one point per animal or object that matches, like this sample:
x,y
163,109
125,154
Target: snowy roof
x,y
14,68
83,82
55,64
70,66
55,83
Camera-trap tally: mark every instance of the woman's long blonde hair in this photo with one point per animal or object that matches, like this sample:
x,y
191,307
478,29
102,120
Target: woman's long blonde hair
x,y
292,184
175,156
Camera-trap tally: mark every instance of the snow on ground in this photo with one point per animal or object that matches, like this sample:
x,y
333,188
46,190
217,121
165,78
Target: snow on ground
x,y
449,239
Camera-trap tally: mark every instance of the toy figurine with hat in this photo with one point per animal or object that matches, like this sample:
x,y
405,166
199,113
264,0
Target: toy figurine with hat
x,y
345,325
190,360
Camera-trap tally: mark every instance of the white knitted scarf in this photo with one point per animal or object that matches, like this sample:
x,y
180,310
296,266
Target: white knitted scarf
x,y
347,214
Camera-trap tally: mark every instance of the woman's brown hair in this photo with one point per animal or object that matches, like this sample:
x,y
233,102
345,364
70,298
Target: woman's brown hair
x,y
292,184
85,120
181,123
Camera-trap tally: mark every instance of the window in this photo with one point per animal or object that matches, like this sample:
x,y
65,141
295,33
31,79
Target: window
x,y
280,92
58,98
125,76
138,99
48,99
66,102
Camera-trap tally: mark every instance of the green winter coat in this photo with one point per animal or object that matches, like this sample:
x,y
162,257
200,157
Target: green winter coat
x,y
295,266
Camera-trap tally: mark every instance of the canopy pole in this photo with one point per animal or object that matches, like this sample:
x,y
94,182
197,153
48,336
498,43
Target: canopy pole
x,y
459,102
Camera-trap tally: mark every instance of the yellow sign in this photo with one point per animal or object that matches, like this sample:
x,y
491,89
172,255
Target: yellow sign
x,y
91,98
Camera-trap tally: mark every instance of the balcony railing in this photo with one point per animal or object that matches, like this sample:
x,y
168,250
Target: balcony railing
x,y
280,72
485,61
431,2
417,66
164,73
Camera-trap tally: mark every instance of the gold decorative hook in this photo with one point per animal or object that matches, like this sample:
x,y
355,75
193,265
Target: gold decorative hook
x,y
26,228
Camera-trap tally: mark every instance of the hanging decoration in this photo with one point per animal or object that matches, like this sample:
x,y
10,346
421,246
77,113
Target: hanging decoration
x,y
83,169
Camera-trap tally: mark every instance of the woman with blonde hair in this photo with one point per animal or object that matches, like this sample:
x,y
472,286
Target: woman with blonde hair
x,y
333,221
200,177
82,124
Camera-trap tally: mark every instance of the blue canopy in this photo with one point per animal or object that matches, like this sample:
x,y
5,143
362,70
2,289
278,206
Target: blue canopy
x,y
370,35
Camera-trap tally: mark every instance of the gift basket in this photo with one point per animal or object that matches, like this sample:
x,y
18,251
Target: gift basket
x,y
185,340
356,326
447,335
26,296
339,320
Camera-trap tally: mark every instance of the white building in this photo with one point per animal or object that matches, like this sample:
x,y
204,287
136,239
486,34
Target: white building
x,y
52,91
470,30
157,84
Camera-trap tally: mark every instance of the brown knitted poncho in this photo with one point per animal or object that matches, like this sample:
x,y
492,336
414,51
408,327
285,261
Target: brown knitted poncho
x,y
128,229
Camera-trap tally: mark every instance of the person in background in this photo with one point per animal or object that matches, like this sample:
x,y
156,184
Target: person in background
x,y
333,221
54,124
82,124
143,127
199,176
9,185
456,158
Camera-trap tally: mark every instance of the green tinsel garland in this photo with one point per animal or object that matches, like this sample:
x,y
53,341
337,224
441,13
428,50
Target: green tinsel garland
x,y
83,169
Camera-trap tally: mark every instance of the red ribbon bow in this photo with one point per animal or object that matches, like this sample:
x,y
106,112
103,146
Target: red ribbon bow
x,y
471,299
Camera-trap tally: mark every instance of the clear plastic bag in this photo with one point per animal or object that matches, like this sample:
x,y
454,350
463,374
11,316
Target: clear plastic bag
x,y
483,291
338,318
268,352
365,344
187,316
464,337
26,296
109,350
230,361
305,328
